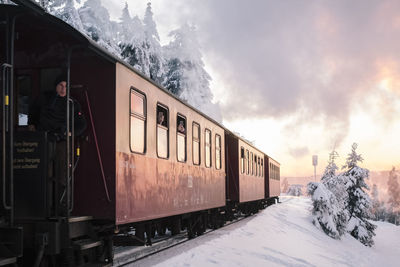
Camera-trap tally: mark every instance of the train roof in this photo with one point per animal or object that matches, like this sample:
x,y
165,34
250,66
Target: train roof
x,y
36,9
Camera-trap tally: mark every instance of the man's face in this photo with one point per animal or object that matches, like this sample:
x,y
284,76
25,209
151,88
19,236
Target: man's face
x,y
61,88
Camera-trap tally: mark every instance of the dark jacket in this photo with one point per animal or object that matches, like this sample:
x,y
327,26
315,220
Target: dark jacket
x,y
49,113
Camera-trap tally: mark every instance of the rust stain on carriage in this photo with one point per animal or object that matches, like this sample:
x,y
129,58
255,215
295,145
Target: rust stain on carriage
x,y
149,188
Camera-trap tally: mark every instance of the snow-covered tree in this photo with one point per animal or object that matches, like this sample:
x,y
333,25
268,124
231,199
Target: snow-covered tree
x,y
358,202
335,184
285,185
295,190
131,41
97,25
394,197
326,212
140,44
378,209
329,198
186,75
65,10
152,41
5,2
394,190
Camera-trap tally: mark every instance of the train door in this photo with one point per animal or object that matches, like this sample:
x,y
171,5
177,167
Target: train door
x,y
10,235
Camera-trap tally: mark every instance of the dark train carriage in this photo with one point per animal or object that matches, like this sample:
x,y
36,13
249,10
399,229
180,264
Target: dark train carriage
x,y
272,170
245,171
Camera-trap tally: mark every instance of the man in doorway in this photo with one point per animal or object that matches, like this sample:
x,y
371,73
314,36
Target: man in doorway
x,y
49,113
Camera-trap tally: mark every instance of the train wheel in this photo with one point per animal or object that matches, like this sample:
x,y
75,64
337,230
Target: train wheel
x,y
139,233
176,226
161,229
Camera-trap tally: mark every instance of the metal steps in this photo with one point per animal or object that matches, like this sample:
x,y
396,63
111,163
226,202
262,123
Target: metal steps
x,y
7,261
80,226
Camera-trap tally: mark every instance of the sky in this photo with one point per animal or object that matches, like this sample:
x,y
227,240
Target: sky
x,y
298,78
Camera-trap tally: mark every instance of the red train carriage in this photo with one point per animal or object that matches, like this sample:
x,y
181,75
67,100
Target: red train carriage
x,y
245,173
272,187
162,171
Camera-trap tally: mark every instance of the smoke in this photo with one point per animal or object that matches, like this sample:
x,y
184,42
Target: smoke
x,y
324,58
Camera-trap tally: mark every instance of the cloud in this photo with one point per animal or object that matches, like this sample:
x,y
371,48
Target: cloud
x,y
315,61
299,152
278,57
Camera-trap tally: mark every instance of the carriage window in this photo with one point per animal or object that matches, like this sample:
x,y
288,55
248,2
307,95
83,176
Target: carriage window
x,y
270,171
262,168
137,121
242,159
273,172
217,152
259,166
162,131
256,171
247,161
208,147
181,138
196,143
24,93
252,165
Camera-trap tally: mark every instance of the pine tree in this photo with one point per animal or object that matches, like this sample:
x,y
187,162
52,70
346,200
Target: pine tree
x,y
326,213
97,25
358,202
65,10
394,197
186,75
335,184
285,185
378,210
152,43
131,40
295,190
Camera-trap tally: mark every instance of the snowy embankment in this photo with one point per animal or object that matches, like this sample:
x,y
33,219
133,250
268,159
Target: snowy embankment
x,y
283,235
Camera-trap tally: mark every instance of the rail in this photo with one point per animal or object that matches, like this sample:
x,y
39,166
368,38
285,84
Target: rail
x,y
97,147
6,110
72,163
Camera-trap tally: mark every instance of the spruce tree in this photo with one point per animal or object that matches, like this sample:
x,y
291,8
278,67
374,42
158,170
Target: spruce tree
x,y
335,184
328,201
378,210
358,202
285,185
97,25
186,75
156,61
325,212
394,197
131,41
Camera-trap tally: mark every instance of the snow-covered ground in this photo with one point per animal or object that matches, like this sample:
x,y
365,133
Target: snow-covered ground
x,y
282,235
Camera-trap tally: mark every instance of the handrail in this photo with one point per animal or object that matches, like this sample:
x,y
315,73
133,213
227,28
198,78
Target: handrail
x,y
97,147
4,130
72,176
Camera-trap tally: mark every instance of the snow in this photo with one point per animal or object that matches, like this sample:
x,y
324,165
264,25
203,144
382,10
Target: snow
x,y
282,235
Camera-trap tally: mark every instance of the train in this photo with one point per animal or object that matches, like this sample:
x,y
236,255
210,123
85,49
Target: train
x,y
130,176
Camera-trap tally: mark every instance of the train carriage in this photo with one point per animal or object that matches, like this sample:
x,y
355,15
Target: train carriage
x,y
245,173
272,187
164,172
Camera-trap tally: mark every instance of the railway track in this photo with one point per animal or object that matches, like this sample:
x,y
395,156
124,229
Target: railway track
x,y
126,255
